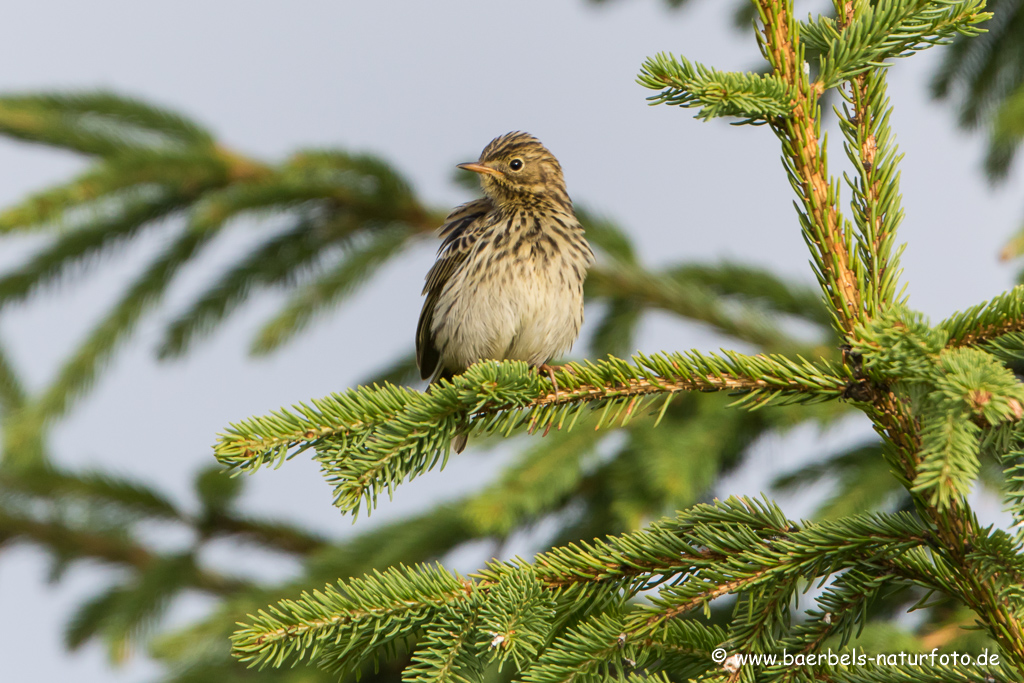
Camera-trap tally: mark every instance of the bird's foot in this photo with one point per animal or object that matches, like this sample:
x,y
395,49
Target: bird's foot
x,y
550,370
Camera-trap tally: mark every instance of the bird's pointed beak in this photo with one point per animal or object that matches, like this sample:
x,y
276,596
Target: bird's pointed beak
x,y
480,168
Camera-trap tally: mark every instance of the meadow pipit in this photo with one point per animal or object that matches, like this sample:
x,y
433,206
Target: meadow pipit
x,y
508,281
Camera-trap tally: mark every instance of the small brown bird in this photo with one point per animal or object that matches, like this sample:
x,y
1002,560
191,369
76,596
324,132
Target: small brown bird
x,y
508,281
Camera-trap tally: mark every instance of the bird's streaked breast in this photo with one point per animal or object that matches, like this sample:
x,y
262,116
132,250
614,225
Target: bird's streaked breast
x,y
519,294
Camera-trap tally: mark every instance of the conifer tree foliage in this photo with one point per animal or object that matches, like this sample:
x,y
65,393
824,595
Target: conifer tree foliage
x,y
346,213
941,397
590,480
338,216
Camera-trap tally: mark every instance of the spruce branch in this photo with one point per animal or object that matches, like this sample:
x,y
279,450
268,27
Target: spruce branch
x,y
12,393
1000,555
876,199
940,398
889,28
366,178
114,548
750,541
106,185
363,188
505,397
330,288
842,610
345,626
981,589
273,262
150,163
703,538
448,651
518,616
341,626
595,650
958,532
768,570
804,158
99,123
987,322
754,98
371,439
88,241
80,370
952,393
757,286
830,239
683,649
691,300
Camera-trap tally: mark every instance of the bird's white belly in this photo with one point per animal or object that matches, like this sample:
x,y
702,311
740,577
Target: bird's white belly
x,y
530,311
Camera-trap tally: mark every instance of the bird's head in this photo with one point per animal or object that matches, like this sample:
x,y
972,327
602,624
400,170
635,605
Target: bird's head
x,y
516,168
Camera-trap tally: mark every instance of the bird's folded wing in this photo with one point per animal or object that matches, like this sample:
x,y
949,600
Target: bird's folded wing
x,y
459,236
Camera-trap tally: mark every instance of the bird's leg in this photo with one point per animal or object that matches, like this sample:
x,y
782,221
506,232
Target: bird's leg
x,y
550,369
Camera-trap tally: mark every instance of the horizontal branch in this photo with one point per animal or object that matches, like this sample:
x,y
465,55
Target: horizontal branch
x,y
278,536
340,622
371,439
751,97
692,300
710,550
987,321
76,543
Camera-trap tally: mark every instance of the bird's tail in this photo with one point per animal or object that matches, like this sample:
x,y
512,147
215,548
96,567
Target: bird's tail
x,y
459,442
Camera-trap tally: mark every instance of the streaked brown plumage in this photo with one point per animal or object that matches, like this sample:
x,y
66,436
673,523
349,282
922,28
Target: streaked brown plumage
x,y
508,281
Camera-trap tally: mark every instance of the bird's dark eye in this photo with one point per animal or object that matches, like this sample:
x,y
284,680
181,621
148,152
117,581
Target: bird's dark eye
x,y
515,164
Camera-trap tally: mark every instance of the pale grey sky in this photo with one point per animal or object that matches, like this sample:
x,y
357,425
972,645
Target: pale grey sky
x,y
425,85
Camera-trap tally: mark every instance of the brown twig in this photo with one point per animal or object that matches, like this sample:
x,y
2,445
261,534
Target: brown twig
x,y
806,162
